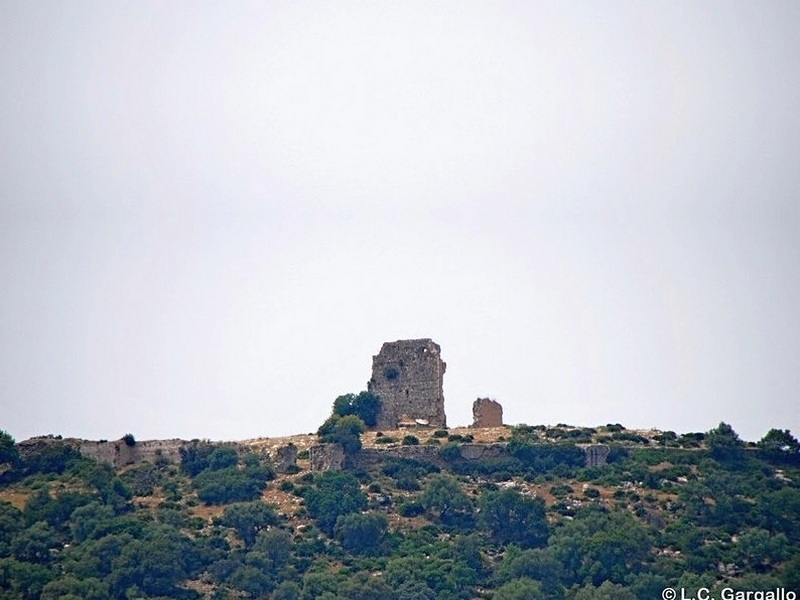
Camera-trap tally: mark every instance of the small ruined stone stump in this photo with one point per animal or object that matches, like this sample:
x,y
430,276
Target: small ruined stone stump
x,y
487,413
326,457
286,458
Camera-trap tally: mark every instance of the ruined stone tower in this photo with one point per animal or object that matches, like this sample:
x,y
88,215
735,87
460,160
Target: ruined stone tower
x,y
407,376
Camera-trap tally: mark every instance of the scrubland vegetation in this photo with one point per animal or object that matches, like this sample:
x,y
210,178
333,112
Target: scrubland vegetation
x,y
681,511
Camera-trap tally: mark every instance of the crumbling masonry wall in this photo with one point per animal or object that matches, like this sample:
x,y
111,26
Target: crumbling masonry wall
x,y
407,375
487,413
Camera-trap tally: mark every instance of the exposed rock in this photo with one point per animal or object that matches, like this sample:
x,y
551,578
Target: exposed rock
x,y
407,375
286,458
326,457
487,413
479,451
596,454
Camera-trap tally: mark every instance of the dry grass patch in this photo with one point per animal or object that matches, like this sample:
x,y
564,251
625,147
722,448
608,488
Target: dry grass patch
x,y
16,499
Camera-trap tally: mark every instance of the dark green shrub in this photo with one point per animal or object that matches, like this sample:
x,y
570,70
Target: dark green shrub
x,y
248,519
559,491
53,458
222,458
227,485
511,517
365,406
592,493
194,457
361,533
410,509
345,431
408,483
335,493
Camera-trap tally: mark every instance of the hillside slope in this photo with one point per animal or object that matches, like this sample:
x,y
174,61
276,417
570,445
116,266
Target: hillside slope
x,y
667,511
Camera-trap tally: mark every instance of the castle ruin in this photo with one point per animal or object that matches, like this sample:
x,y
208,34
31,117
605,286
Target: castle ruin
x,y
487,413
407,376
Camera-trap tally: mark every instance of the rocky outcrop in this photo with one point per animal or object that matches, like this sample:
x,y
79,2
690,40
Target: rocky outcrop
x,y
487,413
408,375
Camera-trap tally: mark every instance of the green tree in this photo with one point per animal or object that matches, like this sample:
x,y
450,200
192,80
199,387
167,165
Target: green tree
x,y
91,520
228,485
605,591
415,590
364,586
780,444
334,494
790,573
34,543
11,523
519,589
248,519
361,533
365,406
194,457
69,586
596,546
222,457
442,575
759,549
154,564
511,517
444,498
316,585
343,430
538,564
9,455
23,580
275,545
724,443
55,457
287,590
251,580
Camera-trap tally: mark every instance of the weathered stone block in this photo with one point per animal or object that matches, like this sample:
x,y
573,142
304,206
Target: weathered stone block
x,y
487,413
326,457
286,458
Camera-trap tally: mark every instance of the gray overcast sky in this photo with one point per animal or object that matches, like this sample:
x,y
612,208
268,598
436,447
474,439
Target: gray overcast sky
x,y
213,214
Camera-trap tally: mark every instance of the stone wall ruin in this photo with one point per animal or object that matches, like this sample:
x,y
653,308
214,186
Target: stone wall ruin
x,y
596,454
286,458
326,457
487,413
407,375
